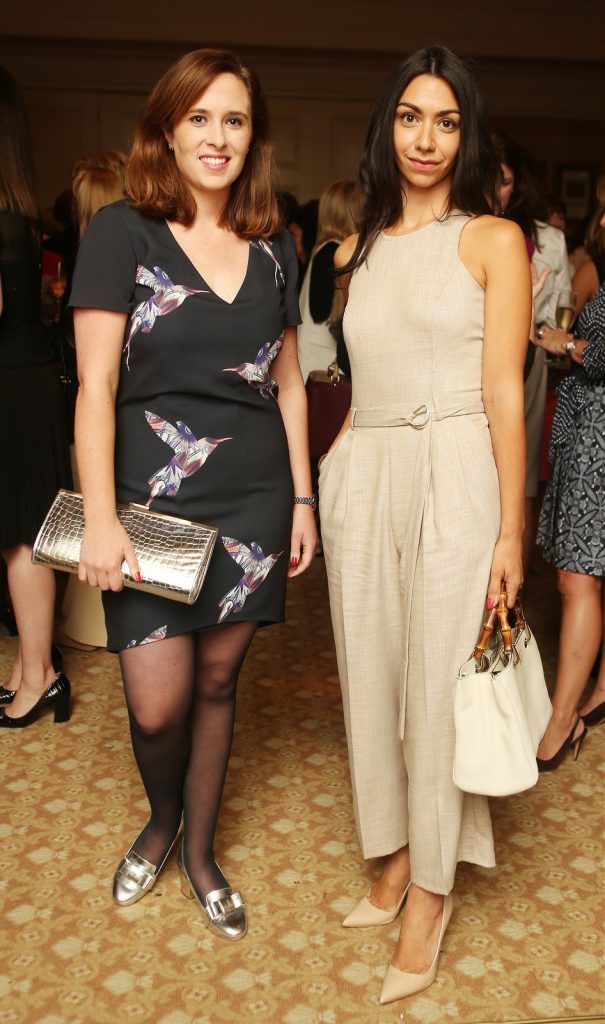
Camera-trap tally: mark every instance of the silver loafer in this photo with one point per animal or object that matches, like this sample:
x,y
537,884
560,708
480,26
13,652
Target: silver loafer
x,y
136,876
223,910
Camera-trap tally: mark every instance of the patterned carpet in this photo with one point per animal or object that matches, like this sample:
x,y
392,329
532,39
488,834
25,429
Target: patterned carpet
x,y
526,940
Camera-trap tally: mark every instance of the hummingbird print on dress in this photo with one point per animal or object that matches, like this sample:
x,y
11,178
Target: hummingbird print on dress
x,y
166,297
256,568
158,634
189,455
257,373
266,247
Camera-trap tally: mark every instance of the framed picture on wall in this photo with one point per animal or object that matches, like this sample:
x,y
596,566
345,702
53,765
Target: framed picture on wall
x,y
576,191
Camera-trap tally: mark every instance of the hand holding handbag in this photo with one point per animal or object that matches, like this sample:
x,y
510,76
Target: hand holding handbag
x,y
173,554
501,708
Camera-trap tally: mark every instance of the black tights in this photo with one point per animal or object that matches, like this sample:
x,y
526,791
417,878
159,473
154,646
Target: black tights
x,y
180,694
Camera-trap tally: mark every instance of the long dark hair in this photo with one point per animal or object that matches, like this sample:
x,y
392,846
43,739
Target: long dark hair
x,y
475,173
17,192
527,203
153,181
595,234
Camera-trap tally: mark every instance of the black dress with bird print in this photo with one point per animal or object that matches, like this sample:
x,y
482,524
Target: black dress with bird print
x,y
199,433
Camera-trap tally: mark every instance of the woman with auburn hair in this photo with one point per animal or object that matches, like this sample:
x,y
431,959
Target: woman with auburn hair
x,y
185,299
336,221
422,491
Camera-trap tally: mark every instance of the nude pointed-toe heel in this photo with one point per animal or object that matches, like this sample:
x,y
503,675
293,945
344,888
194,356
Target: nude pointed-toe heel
x,y
399,984
366,915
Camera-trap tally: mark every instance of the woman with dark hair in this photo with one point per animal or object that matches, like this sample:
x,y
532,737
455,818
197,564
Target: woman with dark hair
x,y
185,300
524,202
590,276
34,458
572,525
422,491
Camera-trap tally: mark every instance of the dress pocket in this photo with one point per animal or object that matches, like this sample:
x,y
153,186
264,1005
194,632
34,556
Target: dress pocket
x,y
479,428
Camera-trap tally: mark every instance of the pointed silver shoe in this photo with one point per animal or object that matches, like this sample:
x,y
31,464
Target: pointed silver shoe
x,y
223,910
136,876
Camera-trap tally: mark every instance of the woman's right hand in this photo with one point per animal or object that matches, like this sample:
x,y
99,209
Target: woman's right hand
x,y
554,340
104,548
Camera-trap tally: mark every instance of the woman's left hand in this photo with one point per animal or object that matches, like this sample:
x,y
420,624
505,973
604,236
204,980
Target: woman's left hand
x,y
507,567
304,540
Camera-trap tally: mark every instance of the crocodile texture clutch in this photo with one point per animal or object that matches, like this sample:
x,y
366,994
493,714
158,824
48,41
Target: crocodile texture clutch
x,y
173,554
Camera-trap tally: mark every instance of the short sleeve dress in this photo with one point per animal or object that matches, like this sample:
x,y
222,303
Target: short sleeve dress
x,y
199,433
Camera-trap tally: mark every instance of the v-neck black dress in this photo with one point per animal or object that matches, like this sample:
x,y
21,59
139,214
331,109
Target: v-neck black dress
x,y
199,433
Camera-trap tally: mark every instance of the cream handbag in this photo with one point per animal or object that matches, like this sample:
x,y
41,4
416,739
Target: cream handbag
x,y
501,708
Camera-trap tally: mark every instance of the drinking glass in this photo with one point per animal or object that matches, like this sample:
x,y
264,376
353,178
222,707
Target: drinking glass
x,y
566,309
565,314
58,284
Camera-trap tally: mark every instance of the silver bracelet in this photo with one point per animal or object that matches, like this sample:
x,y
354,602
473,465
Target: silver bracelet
x,y
312,501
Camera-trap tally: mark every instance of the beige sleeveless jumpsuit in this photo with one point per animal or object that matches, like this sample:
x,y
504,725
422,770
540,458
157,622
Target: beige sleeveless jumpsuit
x,y
410,513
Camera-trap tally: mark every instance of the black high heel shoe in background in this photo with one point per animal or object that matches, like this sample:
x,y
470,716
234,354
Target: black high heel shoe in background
x,y
549,764
56,654
595,716
57,695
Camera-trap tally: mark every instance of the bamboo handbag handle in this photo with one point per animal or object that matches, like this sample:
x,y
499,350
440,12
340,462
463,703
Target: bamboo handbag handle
x,y
497,617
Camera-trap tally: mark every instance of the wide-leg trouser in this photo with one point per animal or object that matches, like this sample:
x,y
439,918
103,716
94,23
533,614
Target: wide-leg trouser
x,y
409,521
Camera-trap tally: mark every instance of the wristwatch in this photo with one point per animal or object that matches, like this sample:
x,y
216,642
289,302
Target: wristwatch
x,y
312,501
570,347
539,332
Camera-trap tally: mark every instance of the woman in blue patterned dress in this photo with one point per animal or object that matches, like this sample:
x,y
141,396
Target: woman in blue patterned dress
x,y
572,529
186,308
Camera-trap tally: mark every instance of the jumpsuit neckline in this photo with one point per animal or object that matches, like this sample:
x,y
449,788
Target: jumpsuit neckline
x,y
417,231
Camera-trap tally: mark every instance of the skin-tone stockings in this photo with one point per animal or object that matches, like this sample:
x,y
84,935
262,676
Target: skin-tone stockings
x,y
581,632
421,921
32,590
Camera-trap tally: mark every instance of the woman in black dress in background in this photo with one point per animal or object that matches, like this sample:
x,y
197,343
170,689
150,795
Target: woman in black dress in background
x,y
34,457
185,315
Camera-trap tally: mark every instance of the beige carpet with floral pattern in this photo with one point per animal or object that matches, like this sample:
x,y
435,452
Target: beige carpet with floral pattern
x,y
525,942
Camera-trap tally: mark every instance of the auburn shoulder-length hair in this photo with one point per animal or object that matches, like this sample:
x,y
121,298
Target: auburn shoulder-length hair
x,y
153,182
475,173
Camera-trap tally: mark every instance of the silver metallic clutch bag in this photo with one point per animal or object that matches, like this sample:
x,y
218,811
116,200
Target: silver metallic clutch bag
x,y
173,554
